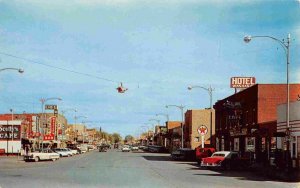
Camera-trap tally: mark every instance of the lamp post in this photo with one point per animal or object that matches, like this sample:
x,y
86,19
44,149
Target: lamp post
x,y
43,100
209,90
286,47
166,115
181,108
77,117
66,110
19,70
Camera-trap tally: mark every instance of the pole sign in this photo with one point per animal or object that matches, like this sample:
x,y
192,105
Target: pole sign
x,y
202,130
50,107
242,82
52,124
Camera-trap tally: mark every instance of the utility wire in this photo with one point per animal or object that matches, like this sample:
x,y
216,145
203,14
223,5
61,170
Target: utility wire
x,y
59,68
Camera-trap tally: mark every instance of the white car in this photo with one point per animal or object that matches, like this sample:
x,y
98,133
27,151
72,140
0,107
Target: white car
x,y
39,155
74,151
135,148
125,148
63,152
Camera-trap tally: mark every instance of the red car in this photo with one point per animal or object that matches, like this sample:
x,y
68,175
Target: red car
x,y
203,153
225,160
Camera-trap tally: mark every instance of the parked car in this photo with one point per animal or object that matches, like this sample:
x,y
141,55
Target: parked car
x,y
134,148
185,154
63,152
43,154
126,148
157,149
225,160
73,151
203,153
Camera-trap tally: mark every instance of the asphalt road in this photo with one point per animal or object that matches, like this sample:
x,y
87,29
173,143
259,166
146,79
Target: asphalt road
x,y
118,169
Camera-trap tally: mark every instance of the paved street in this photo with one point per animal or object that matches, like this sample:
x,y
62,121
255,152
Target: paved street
x,y
118,169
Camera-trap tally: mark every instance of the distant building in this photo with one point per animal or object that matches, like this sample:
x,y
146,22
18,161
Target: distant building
x,y
193,120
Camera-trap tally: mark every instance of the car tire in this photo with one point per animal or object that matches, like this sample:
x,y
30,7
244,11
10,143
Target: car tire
x,y
36,159
60,155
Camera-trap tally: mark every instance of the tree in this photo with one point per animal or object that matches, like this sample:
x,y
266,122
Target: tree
x,y
116,138
128,139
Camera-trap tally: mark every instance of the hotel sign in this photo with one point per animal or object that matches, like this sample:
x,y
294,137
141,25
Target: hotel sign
x,y
242,82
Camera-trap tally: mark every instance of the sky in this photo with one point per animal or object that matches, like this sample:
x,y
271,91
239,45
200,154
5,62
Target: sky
x,y
82,50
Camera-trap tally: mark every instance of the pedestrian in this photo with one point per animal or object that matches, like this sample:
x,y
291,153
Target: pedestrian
x,y
26,149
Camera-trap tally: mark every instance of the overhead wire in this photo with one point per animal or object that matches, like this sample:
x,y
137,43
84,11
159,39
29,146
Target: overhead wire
x,y
58,68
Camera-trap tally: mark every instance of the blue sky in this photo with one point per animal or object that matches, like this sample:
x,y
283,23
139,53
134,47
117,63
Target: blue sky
x,y
156,48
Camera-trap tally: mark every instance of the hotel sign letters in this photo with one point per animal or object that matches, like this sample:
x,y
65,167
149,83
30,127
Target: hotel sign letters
x,y
242,82
10,132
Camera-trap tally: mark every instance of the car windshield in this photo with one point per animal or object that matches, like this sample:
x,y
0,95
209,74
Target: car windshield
x,y
218,155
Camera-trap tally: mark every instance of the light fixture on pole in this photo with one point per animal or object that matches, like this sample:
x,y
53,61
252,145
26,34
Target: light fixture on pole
x,y
19,70
209,90
286,47
166,115
43,100
63,113
181,107
75,130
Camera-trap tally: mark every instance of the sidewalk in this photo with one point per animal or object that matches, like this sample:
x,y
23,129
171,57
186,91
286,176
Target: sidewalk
x,y
276,174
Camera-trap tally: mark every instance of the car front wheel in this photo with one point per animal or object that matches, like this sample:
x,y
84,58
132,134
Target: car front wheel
x,y
36,159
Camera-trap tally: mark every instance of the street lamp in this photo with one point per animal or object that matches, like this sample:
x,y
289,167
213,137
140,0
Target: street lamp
x,y
209,90
19,70
43,100
181,108
286,47
66,110
166,115
75,118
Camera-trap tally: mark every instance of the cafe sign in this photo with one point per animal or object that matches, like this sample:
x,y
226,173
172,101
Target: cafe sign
x,y
10,132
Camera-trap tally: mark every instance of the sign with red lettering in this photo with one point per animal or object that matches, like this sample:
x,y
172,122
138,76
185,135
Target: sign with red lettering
x,y
49,137
52,124
242,82
202,130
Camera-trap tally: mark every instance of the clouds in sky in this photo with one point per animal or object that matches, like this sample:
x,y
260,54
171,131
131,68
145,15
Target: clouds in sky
x,y
157,48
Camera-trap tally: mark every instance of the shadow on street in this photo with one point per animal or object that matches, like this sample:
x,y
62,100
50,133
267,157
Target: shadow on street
x,y
157,158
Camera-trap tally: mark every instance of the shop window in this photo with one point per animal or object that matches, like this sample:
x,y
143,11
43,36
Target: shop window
x,y
263,144
236,146
273,143
197,139
250,144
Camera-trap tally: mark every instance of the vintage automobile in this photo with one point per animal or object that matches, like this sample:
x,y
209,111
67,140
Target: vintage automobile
x,y
184,154
126,148
203,153
42,154
63,152
225,160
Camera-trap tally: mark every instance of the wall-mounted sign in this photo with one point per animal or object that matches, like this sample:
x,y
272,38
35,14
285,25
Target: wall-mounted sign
x,y
52,124
242,82
10,132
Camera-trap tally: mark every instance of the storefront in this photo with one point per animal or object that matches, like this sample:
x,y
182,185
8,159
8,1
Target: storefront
x,y
294,130
246,121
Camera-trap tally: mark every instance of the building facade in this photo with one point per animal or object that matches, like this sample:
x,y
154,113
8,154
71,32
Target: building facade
x,y
246,121
294,130
194,119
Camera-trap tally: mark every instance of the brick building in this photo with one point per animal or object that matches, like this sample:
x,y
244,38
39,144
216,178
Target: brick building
x,y
174,135
193,120
246,121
